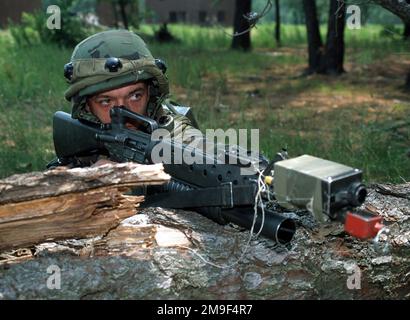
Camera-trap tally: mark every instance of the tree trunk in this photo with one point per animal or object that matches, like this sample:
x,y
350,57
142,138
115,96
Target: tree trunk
x,y
135,14
406,32
75,203
277,19
123,5
315,45
407,84
334,53
243,41
398,7
115,11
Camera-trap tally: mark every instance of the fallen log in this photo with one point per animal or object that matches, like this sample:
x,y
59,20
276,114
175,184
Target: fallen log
x,y
70,203
176,254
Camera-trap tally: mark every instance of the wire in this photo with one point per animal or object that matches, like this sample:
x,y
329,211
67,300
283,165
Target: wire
x,y
258,198
253,18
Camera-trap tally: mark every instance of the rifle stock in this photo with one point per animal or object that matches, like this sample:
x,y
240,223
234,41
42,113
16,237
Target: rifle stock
x,y
72,137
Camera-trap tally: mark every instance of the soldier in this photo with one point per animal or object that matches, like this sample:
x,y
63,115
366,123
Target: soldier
x,y
115,68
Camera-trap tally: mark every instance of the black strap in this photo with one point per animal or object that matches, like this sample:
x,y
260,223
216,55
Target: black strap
x,y
226,196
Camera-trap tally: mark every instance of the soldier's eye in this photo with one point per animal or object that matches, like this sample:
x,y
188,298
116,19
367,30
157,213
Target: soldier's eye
x,y
136,96
104,102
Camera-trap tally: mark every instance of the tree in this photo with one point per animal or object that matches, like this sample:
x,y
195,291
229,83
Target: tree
x,y
406,36
334,52
315,45
241,24
328,59
398,7
277,19
406,32
122,4
114,10
127,11
401,9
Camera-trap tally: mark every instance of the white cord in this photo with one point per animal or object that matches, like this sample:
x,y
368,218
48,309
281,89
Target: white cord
x,y
261,187
258,198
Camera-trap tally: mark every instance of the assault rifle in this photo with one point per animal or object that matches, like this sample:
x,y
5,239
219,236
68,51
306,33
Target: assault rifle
x,y
216,186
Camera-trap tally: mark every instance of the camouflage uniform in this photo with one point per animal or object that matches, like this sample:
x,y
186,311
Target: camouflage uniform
x,y
87,75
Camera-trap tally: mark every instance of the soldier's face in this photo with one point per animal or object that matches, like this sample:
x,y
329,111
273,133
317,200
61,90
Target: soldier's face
x,y
134,97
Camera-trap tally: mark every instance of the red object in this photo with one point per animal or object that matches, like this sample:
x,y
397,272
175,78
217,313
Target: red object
x,y
363,225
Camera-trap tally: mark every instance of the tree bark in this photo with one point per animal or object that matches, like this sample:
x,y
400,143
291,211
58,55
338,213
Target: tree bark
x,y
407,84
75,203
406,31
334,53
115,12
315,45
398,7
123,12
135,14
243,41
277,25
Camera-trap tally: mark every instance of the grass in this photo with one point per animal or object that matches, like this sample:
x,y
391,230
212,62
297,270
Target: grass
x,y
351,119
31,91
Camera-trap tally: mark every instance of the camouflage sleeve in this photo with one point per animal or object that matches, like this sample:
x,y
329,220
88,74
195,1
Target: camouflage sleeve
x,y
184,130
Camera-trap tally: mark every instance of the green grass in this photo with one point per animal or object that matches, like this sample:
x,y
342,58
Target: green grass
x,y
379,153
31,91
203,67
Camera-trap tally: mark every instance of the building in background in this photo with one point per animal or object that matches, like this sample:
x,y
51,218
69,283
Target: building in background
x,y
12,10
203,12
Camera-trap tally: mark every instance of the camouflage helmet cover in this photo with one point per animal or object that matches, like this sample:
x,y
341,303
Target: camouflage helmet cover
x,y
90,75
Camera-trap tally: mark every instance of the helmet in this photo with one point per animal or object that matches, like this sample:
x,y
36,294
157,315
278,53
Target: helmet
x,y
109,60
